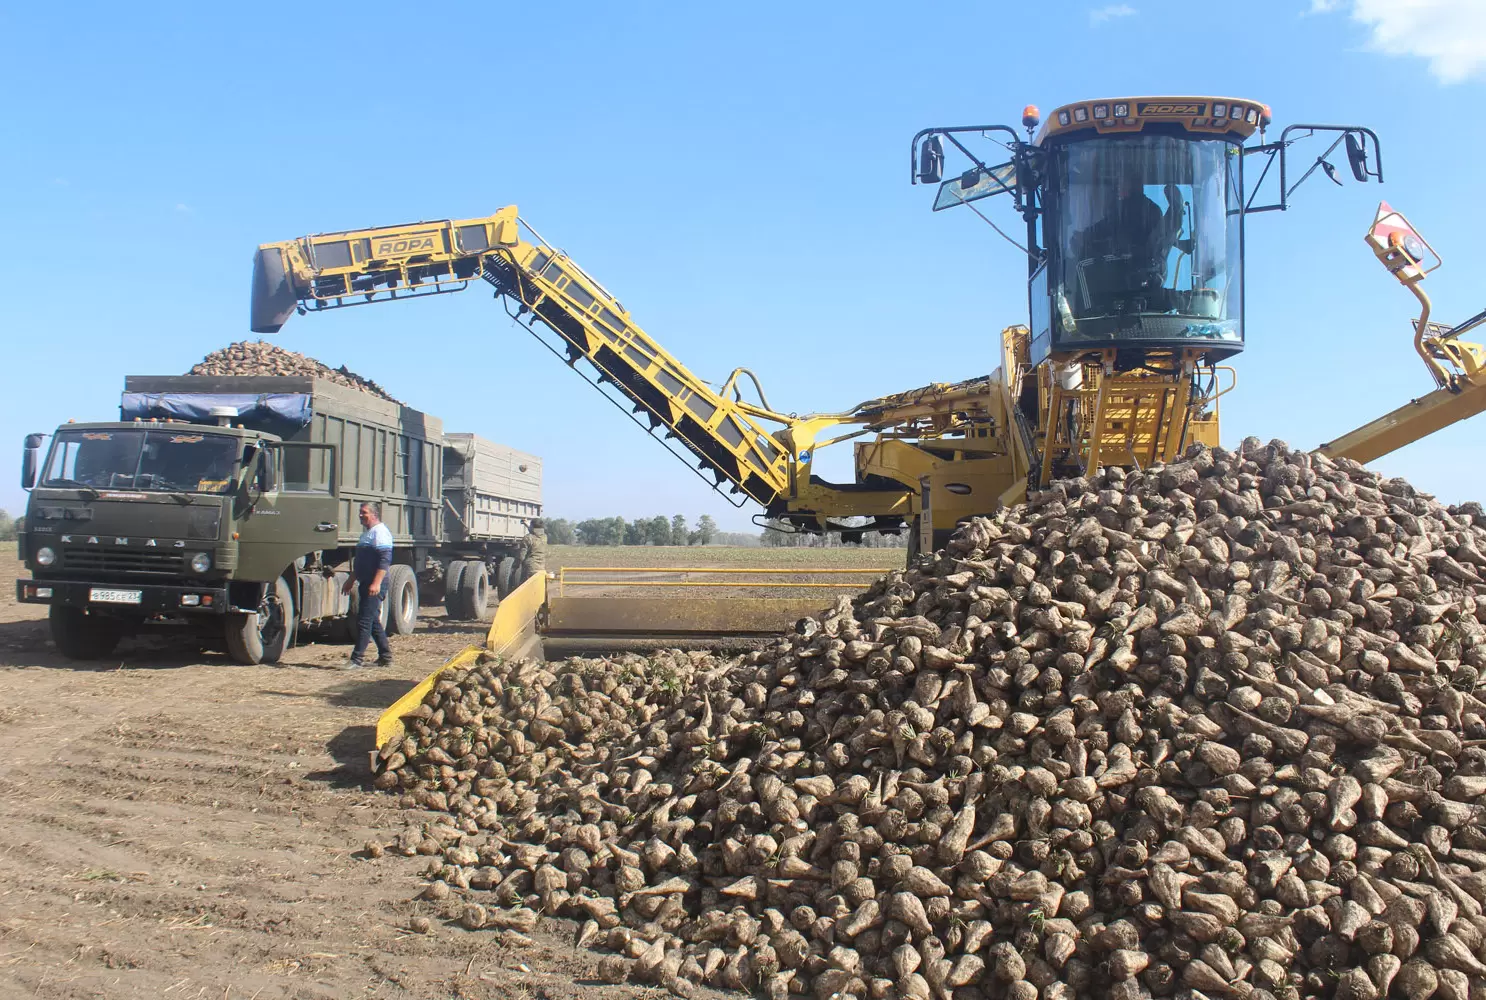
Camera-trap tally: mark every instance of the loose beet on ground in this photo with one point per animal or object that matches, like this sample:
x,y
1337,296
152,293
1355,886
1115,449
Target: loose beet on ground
x,y
1211,729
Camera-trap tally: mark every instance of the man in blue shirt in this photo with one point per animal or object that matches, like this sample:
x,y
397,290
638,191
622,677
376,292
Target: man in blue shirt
x,y
369,568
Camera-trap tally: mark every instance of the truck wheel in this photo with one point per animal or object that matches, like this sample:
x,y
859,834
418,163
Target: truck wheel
x,y
402,600
507,576
453,602
264,639
81,636
474,590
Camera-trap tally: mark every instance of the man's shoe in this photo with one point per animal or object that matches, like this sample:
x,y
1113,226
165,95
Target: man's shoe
x,y
386,661
352,664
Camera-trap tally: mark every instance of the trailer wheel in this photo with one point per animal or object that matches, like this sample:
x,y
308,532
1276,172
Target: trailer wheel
x,y
474,590
262,639
507,576
402,600
81,636
453,603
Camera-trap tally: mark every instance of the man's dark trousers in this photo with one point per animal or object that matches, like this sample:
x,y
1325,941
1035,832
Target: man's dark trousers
x,y
369,626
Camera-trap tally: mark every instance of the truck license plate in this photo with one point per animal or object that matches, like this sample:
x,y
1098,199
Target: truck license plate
x,y
101,596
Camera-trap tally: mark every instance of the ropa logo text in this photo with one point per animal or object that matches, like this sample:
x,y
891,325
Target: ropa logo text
x,y
1172,109
407,245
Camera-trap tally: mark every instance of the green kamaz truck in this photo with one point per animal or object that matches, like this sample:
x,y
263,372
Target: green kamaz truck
x,y
228,505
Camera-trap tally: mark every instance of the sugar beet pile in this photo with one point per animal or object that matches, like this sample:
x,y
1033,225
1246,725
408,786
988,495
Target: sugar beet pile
x,y
1213,729
249,357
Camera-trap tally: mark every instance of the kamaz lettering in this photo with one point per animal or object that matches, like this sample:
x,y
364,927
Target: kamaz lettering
x,y
1172,109
404,246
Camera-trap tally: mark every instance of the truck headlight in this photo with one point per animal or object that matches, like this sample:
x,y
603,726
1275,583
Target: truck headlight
x,y
201,562
45,556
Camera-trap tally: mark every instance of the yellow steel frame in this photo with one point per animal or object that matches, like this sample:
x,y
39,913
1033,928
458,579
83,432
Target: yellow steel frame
x,y
755,575
511,629
1131,418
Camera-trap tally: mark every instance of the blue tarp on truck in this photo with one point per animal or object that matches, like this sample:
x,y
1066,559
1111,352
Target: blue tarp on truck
x,y
281,413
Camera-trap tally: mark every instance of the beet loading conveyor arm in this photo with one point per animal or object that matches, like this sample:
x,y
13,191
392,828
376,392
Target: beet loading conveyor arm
x,y
762,454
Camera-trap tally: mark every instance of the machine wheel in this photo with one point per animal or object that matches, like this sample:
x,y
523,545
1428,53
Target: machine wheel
x,y
453,602
81,636
507,576
474,590
262,639
402,600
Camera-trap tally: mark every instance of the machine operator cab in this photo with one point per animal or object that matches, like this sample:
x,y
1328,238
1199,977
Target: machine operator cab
x,y
1135,211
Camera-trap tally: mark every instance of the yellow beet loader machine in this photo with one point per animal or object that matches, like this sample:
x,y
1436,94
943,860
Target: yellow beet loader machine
x,y
1133,213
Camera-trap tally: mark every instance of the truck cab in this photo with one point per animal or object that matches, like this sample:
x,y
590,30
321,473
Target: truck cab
x,y
172,522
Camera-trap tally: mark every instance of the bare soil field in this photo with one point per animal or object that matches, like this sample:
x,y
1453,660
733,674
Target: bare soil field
x,y
173,825
662,564
722,555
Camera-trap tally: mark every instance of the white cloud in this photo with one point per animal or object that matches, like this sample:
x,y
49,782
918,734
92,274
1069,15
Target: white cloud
x,y
183,208
1449,34
1324,6
1101,14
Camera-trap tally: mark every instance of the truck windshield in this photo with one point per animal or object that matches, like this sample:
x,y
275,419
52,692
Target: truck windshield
x,y
175,460
1150,246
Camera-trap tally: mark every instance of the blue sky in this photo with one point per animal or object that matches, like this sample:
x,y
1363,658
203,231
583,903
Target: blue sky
x,y
736,174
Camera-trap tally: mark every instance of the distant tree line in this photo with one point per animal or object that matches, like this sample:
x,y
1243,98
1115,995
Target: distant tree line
x,y
9,526
662,530
658,530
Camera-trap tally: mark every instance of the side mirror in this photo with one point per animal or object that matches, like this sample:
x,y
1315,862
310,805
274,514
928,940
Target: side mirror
x,y
270,473
30,459
1357,157
931,161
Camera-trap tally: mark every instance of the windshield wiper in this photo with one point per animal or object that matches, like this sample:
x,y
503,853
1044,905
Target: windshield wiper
x,y
175,491
74,484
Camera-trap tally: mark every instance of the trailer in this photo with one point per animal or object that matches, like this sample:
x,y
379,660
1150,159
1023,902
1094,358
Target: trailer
x,y
491,495
229,504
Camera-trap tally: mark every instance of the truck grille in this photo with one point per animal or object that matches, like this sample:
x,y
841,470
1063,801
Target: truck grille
x,y
103,561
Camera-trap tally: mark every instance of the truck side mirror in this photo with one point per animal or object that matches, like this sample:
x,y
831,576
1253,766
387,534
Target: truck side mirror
x,y
1357,157
30,458
269,477
931,161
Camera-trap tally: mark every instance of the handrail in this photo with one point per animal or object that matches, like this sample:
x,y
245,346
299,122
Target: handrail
x,y
874,571
564,581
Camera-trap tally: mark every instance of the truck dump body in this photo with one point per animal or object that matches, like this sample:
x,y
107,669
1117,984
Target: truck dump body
x,y
388,453
490,490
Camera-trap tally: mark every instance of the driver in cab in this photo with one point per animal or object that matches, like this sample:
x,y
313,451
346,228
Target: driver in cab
x,y
1134,226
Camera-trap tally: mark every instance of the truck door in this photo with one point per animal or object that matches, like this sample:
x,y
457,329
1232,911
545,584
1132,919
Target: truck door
x,y
293,508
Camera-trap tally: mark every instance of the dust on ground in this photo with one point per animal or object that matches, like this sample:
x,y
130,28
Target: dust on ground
x,y
179,826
